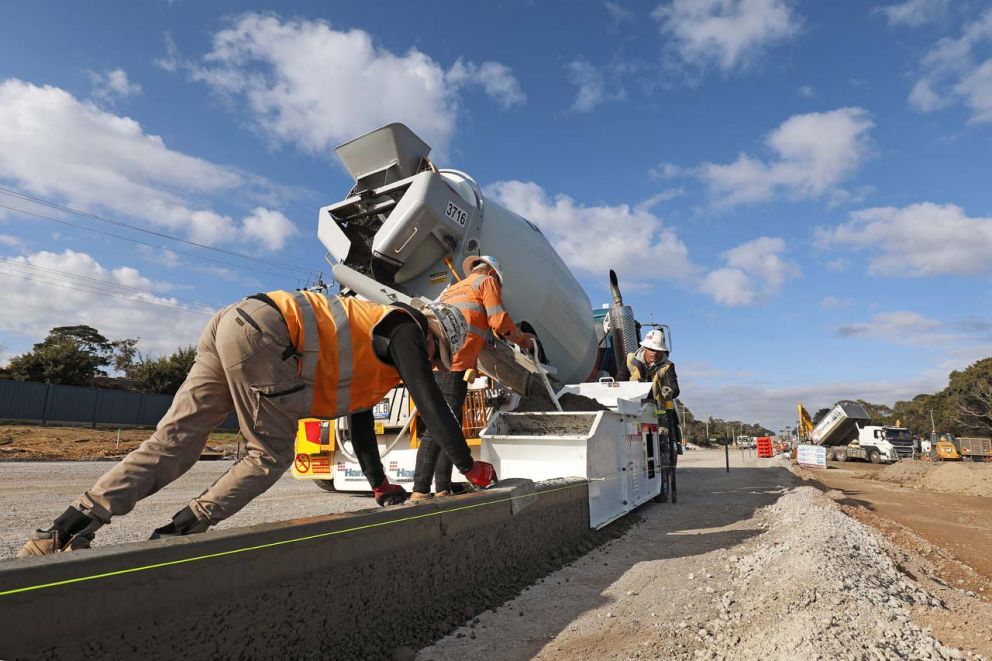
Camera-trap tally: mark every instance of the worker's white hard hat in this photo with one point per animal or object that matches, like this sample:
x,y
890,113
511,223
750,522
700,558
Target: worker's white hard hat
x,y
474,260
448,325
654,340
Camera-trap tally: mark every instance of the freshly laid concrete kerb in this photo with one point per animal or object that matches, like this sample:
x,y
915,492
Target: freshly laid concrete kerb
x,y
348,586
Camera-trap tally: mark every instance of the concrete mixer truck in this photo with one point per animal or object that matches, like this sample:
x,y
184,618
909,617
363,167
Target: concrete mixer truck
x,y
399,233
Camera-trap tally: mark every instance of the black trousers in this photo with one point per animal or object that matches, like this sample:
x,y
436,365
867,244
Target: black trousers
x,y
432,460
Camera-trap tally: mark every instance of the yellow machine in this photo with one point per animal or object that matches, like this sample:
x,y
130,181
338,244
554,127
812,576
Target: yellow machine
x,y
805,425
944,447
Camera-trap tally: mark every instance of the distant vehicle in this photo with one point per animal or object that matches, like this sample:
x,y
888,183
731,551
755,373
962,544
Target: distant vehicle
x,y
846,433
947,447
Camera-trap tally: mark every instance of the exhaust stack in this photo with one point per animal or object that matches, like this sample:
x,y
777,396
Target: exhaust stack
x,y
623,329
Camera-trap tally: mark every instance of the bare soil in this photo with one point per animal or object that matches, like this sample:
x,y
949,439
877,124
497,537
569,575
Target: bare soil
x,y
49,443
961,477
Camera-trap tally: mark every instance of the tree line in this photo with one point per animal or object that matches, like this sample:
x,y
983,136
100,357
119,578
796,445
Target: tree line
x,y
963,408
695,430
82,356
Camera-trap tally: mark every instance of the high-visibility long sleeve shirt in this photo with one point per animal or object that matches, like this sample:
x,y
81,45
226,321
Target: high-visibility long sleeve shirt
x,y
480,299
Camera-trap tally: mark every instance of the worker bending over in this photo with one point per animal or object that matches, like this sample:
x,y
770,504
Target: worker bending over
x,y
479,298
273,359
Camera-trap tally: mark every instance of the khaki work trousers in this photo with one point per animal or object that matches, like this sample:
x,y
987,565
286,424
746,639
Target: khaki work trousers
x,y
239,366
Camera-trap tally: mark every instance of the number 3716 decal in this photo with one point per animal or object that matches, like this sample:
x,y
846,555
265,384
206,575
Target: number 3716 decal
x,y
456,213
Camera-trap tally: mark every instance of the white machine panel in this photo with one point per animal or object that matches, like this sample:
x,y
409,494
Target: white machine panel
x,y
607,448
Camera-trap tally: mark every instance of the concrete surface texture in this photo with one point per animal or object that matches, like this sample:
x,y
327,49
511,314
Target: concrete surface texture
x,y
348,586
35,493
748,565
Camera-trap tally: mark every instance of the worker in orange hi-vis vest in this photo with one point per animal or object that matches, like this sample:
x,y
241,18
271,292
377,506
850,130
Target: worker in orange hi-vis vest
x,y
479,297
275,358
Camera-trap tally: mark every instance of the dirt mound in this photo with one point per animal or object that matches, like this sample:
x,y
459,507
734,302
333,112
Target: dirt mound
x,y
964,478
906,472
967,479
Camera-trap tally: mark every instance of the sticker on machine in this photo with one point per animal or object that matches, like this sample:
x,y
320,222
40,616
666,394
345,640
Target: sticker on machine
x,y
438,278
320,465
456,213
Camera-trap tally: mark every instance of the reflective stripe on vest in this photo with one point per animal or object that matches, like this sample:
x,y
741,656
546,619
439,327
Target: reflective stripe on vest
x,y
469,305
477,283
311,348
495,310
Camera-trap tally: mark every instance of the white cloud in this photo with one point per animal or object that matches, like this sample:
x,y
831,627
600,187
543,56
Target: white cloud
x,y
662,196
666,171
806,92
914,13
596,85
958,71
917,240
833,303
495,78
8,240
899,327
814,153
54,146
113,85
594,239
754,272
728,33
307,84
172,60
45,299
271,228
618,13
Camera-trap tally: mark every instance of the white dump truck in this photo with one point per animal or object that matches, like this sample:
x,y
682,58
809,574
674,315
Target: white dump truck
x,y
846,433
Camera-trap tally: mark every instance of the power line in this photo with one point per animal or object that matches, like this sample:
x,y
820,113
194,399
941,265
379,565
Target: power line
x,y
111,221
103,293
101,281
144,243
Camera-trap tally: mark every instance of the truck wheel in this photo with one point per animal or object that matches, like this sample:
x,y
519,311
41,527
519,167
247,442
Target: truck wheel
x,y
840,455
875,457
326,485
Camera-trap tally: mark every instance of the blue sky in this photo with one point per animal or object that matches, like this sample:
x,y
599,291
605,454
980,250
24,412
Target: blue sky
x,y
800,189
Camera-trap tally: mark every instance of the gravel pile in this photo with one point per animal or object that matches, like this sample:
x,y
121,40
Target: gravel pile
x,y
818,585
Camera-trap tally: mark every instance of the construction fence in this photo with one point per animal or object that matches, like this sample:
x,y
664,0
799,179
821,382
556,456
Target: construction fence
x,y
48,403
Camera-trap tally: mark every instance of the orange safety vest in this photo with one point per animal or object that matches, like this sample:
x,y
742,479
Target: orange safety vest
x,y
334,334
479,298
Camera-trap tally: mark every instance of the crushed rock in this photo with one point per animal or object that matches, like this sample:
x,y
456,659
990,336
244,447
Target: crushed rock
x,y
819,584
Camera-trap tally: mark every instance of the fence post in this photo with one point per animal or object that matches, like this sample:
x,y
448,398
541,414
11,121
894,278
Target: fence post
x,y
96,406
44,406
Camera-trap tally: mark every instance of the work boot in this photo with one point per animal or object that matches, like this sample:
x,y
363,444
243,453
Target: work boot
x,y
72,531
184,522
416,496
442,494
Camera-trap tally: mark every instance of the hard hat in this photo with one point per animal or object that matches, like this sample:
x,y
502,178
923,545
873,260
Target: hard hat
x,y
474,260
654,340
448,325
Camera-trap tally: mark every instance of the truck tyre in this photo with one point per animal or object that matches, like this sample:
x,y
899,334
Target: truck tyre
x,y
874,457
840,454
326,485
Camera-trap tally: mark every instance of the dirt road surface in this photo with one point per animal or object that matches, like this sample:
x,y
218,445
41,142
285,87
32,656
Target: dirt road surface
x,y
33,493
